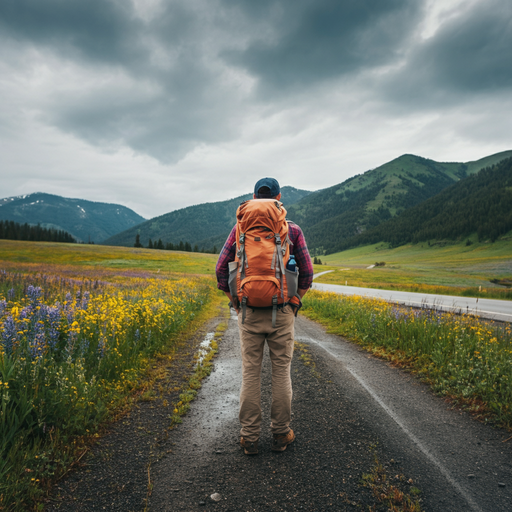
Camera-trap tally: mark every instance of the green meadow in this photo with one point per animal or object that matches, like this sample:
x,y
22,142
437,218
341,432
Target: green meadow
x,y
441,267
18,255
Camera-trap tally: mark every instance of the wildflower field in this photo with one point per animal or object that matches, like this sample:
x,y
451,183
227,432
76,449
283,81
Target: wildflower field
x,y
71,350
462,357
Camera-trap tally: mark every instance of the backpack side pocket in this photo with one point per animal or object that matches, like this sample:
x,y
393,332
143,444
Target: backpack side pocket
x,y
292,281
233,269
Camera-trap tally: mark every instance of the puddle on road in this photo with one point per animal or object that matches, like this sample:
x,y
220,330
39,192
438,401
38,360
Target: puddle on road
x,y
204,348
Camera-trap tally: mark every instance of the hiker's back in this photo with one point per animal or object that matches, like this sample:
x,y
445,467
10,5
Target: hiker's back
x,y
263,249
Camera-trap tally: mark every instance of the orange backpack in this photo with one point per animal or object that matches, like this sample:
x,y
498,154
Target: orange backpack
x,y
262,252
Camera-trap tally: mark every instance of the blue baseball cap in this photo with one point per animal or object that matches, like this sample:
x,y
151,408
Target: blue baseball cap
x,y
270,183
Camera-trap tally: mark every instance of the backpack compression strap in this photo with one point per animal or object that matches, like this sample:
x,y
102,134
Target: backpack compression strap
x,y
242,256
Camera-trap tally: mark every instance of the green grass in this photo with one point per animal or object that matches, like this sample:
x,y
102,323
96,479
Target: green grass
x,y
447,268
16,255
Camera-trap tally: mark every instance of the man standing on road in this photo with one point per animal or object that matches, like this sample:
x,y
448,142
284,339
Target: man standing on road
x,y
276,327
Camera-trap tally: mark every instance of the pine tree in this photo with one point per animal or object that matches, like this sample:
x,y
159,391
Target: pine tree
x,y
137,241
150,244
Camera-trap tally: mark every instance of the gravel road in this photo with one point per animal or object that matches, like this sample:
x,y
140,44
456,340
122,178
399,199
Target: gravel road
x,y
350,403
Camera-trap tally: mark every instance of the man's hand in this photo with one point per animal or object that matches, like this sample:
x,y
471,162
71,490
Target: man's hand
x,y
228,295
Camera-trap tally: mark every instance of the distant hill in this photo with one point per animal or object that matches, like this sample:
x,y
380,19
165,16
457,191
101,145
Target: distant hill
x,y
85,220
331,216
205,225
480,204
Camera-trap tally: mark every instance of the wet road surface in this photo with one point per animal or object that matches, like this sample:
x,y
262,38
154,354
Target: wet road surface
x,y
355,401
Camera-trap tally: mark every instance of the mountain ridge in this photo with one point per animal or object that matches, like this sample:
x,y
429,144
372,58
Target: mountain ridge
x,y
205,225
330,216
86,220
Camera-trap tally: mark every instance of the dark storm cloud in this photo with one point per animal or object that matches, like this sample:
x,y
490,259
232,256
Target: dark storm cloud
x,y
161,83
167,83
314,41
169,99
471,54
96,29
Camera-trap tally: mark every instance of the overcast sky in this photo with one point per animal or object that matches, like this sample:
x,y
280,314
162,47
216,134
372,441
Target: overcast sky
x,y
160,104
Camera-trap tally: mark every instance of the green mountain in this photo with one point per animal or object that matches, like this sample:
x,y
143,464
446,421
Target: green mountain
x,y
331,216
205,225
85,220
481,204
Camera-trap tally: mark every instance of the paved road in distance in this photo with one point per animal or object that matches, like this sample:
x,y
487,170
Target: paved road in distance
x,y
486,308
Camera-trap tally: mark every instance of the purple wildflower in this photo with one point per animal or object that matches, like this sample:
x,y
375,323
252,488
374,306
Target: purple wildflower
x,y
53,315
9,334
37,345
84,345
85,300
3,305
34,294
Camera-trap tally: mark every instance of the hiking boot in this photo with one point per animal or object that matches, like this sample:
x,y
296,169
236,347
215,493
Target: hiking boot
x,y
281,441
250,447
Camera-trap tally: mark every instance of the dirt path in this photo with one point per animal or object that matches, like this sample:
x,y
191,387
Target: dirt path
x,y
342,406
320,471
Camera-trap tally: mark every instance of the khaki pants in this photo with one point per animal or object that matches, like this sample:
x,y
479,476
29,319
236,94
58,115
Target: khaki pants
x,y
253,332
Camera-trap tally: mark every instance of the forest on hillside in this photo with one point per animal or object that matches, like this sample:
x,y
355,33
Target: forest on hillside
x,y
10,230
331,216
481,204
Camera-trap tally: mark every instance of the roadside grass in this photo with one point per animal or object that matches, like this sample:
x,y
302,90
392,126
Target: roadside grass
x,y
442,268
74,353
395,493
306,358
462,358
399,279
203,368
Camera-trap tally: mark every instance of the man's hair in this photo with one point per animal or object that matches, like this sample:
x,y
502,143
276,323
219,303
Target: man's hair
x,y
264,193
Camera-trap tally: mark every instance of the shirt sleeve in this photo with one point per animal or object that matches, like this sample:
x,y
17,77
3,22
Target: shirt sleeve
x,y
300,250
226,255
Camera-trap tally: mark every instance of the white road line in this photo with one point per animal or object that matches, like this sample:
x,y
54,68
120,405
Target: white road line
x,y
430,456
